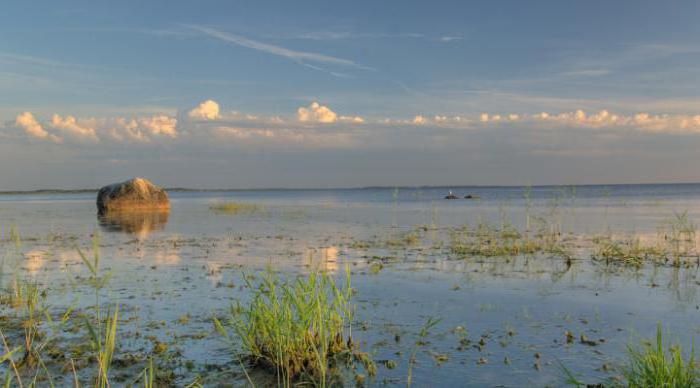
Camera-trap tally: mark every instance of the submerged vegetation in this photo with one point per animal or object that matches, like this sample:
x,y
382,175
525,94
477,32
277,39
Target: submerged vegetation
x,y
300,330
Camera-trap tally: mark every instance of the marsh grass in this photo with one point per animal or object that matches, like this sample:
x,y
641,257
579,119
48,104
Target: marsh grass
x,y
404,240
103,343
679,234
675,246
27,296
629,252
233,208
504,241
301,330
30,325
103,337
651,365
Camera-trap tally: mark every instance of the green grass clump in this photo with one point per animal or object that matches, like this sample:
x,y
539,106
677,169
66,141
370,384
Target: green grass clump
x,y
301,330
232,208
652,366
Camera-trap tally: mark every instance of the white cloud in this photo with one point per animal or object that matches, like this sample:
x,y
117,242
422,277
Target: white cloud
x,y
603,119
302,137
352,119
142,129
316,113
31,126
72,127
419,120
207,110
160,125
449,38
310,128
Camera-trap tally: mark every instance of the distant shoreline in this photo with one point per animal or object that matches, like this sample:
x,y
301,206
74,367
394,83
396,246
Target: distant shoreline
x,y
447,187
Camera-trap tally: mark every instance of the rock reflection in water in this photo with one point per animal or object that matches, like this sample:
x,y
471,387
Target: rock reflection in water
x,y
140,224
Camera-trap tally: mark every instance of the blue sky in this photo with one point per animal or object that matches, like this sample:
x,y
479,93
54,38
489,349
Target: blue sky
x,y
348,93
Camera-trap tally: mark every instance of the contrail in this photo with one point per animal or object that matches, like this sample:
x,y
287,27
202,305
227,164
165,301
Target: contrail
x,y
299,56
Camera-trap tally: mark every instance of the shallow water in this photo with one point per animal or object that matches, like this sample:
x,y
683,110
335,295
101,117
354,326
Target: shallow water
x,y
192,262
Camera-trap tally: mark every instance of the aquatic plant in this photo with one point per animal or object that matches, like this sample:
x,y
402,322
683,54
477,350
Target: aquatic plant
x,y
569,377
504,241
424,331
27,295
299,329
232,208
627,252
679,233
650,365
675,246
402,240
104,344
102,340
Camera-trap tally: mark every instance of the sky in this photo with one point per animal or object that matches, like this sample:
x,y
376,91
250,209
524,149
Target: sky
x,y
250,94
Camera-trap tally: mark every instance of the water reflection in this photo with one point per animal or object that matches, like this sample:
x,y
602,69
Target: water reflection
x,y
140,224
35,260
324,258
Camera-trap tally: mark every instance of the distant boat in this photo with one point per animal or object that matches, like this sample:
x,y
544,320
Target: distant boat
x,y
450,195
470,196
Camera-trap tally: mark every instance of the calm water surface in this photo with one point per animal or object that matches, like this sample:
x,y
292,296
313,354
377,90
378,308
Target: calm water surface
x,y
192,260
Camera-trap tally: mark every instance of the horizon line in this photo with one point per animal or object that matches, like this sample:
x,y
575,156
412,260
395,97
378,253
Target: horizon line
x,y
190,189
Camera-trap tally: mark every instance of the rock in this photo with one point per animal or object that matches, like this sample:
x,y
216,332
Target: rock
x,y
450,195
136,194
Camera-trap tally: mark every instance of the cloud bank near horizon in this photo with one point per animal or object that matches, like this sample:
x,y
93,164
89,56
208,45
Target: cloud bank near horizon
x,y
319,125
320,145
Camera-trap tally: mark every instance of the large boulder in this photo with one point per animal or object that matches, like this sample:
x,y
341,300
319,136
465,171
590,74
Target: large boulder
x,y
135,195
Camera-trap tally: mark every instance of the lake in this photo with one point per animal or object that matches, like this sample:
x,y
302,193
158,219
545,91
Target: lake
x,y
514,319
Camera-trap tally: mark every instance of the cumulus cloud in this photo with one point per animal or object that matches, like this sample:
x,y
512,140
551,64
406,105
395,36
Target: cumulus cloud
x,y
316,113
419,120
143,129
605,119
160,125
207,110
31,126
310,128
70,126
